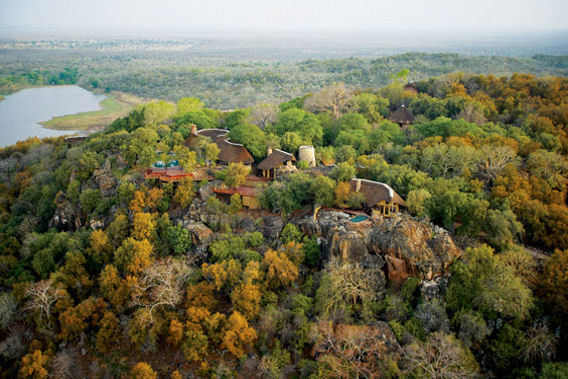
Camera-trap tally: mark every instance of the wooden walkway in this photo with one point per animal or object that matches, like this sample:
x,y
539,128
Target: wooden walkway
x,y
168,175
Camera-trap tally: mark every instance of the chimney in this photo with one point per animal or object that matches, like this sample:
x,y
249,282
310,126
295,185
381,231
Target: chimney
x,y
193,129
269,151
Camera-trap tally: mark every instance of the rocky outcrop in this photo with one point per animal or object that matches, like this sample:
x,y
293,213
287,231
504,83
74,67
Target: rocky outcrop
x,y
386,335
433,289
105,180
201,235
246,224
408,247
65,217
413,248
97,223
272,226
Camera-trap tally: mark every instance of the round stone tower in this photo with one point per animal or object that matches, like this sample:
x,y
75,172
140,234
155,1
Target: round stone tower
x,y
308,154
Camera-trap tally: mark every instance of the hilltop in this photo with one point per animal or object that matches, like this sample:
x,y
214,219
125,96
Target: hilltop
x,y
415,228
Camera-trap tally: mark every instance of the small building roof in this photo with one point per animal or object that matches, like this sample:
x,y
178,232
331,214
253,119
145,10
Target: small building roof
x,y
402,115
411,87
375,192
247,191
229,152
275,159
212,133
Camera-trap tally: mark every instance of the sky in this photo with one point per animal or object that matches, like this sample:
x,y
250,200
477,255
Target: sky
x,y
281,15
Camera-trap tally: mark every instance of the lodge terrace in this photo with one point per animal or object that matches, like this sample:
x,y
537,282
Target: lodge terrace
x,y
380,199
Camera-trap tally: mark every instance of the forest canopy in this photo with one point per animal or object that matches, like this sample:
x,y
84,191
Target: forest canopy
x,y
103,271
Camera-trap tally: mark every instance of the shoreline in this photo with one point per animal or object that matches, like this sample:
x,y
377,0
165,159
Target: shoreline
x,y
115,105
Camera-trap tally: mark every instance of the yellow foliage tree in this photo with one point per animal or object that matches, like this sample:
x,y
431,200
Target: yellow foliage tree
x,y
246,299
108,335
195,342
201,295
175,333
33,365
280,271
101,246
184,194
252,272
214,326
143,226
133,256
153,198
139,202
73,274
76,320
143,370
342,191
238,336
197,314
216,273
294,252
234,271
113,288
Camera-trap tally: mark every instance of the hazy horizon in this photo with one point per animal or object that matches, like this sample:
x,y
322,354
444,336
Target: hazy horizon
x,y
506,16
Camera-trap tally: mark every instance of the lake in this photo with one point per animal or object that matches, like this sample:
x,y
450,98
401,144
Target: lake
x,y
21,112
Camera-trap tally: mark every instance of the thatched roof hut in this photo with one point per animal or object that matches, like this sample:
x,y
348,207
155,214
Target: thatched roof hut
x,y
275,159
376,192
402,116
411,87
229,152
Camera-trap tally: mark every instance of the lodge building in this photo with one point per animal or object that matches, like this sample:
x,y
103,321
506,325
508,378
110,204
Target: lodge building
x,y
379,197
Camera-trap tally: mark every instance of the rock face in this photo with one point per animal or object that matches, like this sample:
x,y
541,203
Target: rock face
x,y
201,235
387,336
65,217
272,226
409,248
105,180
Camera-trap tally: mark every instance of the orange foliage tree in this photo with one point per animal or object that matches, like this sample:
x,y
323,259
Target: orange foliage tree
x,y
133,256
143,370
143,226
77,319
280,270
238,336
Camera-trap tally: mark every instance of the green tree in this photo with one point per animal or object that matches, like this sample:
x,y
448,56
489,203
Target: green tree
x,y
141,147
479,282
291,141
343,172
235,174
299,121
323,189
188,104
235,118
252,137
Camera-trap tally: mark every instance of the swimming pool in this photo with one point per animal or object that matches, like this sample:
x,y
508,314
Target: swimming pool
x,y
359,218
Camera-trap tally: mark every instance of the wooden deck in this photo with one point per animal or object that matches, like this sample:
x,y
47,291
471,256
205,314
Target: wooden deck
x,y
167,175
242,190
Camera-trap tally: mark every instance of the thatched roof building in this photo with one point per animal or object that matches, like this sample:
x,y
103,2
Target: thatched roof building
x,y
229,152
411,87
402,116
376,193
275,159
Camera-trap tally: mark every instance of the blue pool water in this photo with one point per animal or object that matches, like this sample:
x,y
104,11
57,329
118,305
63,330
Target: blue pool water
x,y
359,218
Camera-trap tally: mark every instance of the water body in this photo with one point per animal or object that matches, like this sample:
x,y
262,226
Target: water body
x,y
21,112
